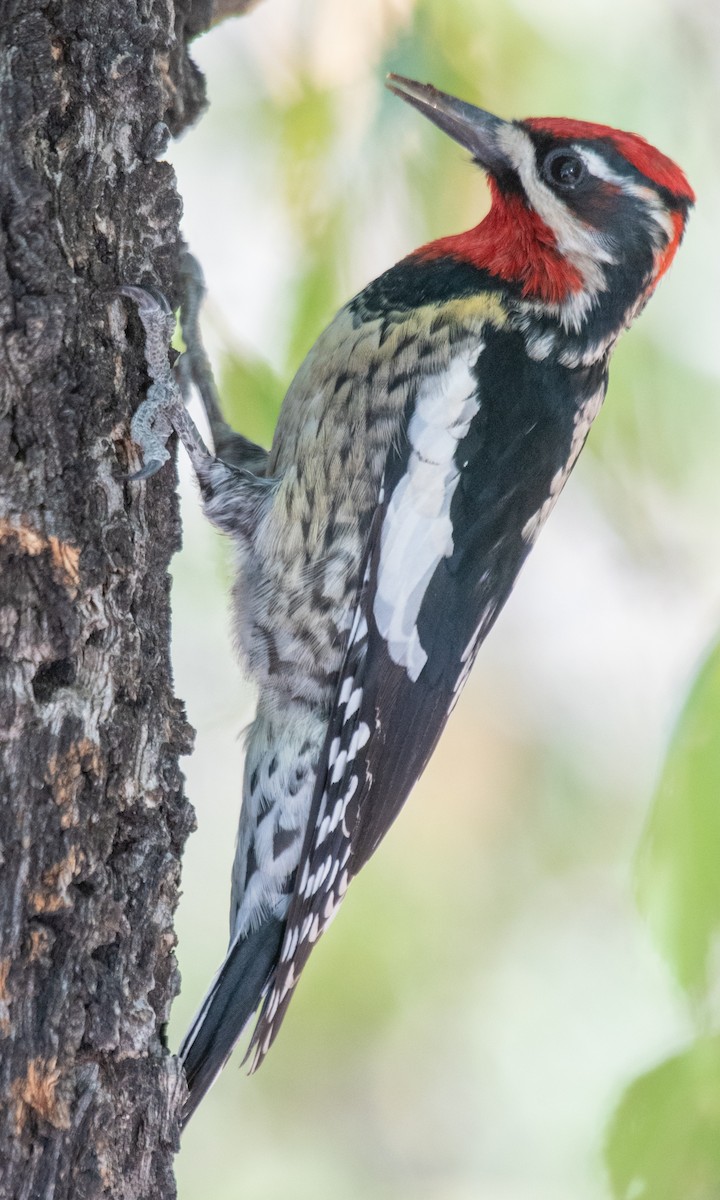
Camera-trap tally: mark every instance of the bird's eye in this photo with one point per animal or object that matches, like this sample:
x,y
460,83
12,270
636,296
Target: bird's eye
x,y
564,169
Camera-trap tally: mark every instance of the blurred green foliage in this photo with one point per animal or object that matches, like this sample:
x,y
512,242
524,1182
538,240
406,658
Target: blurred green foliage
x,y
664,1142
252,394
678,866
646,378
664,1138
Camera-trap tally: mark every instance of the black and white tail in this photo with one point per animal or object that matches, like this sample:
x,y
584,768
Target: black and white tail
x,y
234,995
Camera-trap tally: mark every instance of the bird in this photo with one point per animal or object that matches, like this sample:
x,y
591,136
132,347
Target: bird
x,y
418,452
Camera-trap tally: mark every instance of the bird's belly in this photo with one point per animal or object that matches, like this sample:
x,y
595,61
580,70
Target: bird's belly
x,y
296,590
292,617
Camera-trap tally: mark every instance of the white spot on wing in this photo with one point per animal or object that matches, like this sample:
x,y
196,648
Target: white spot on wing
x,y
337,814
359,739
288,983
417,531
468,655
304,877
583,420
339,767
291,940
323,872
353,704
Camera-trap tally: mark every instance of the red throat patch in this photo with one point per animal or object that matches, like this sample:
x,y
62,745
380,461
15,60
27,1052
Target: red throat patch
x,y
515,244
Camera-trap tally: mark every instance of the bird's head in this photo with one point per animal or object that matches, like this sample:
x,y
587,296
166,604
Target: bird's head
x,y
584,217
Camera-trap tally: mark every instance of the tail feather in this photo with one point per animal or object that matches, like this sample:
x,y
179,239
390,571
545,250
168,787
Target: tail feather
x,y
233,997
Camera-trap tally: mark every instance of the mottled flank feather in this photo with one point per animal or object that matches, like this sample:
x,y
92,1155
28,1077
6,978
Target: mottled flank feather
x,y
326,854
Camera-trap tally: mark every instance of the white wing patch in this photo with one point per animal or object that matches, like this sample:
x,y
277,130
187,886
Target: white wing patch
x,y
417,530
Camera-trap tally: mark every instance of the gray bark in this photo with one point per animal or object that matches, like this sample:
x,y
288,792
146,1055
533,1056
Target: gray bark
x,y
92,813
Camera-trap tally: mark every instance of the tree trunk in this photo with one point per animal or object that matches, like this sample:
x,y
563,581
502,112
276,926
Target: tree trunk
x,y
92,813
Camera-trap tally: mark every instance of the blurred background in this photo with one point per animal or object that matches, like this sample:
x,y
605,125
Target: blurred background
x,y
518,998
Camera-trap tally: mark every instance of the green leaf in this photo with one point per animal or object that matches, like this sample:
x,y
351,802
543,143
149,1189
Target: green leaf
x,y
663,1141
678,866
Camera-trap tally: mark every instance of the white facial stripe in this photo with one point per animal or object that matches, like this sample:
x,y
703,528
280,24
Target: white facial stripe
x,y
586,248
597,166
661,216
583,246
654,206
417,531
576,240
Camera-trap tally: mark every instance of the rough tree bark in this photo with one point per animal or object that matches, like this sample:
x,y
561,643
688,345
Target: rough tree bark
x,y
92,812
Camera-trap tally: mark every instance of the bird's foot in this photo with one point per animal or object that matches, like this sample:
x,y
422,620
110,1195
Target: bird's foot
x,y
163,411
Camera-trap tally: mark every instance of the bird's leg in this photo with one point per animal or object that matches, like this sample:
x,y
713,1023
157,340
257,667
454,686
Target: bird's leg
x,y
194,368
233,496
163,409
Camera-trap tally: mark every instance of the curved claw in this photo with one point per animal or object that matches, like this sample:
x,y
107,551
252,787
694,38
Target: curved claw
x,y
151,468
146,297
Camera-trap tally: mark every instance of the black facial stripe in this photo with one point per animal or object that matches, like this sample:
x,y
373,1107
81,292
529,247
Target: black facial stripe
x,y
544,143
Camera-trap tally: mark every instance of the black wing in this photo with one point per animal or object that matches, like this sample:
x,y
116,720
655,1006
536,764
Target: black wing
x,y
403,670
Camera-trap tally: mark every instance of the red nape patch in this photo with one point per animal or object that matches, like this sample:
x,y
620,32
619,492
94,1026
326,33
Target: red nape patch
x,y
667,255
651,163
514,244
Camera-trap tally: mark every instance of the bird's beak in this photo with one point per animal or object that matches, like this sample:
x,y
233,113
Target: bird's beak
x,y
478,131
